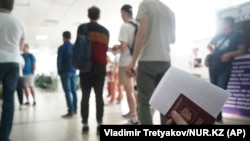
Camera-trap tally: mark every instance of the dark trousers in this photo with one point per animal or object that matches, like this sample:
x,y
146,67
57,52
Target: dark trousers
x,y
148,76
19,90
220,79
9,74
93,79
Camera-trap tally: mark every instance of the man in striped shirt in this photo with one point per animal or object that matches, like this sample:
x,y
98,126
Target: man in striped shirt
x,y
99,37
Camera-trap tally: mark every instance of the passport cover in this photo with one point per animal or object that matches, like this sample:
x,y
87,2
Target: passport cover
x,y
190,111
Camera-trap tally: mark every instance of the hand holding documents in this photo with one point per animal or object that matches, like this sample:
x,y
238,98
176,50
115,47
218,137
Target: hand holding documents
x,y
196,100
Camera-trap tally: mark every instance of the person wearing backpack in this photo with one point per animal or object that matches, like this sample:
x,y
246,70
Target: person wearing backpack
x,y
127,36
95,76
67,74
28,74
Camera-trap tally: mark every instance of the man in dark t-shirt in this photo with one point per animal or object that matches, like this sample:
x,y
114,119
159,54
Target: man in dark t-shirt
x,y
99,37
224,47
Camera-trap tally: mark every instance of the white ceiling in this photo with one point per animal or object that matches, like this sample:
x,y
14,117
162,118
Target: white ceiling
x,y
52,17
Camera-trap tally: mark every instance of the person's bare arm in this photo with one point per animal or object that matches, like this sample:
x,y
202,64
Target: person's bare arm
x,y
123,47
139,43
140,38
227,56
172,33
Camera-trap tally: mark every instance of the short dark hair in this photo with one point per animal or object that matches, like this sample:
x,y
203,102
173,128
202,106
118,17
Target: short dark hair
x,y
7,4
94,13
127,8
66,35
229,20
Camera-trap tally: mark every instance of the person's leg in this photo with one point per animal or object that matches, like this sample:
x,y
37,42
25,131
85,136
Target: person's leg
x,y
119,88
32,88
145,86
222,82
162,117
149,75
128,84
213,76
112,91
120,93
73,80
86,84
9,73
26,92
20,90
113,87
98,84
65,80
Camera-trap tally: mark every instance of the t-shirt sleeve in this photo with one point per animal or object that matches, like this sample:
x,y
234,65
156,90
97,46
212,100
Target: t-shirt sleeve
x,y
142,12
124,36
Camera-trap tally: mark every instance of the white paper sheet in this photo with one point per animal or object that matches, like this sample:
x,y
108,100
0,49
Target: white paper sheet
x,y
176,81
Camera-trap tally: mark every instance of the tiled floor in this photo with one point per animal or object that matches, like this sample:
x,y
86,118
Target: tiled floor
x,y
44,123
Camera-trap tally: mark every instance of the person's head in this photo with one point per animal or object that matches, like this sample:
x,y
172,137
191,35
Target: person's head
x,y
25,48
227,25
126,12
66,36
94,13
7,4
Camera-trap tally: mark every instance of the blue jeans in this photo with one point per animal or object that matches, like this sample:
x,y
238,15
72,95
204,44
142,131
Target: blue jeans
x,y
9,74
219,78
69,86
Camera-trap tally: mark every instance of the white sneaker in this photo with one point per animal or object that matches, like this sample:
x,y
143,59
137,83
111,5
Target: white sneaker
x,y
133,122
21,107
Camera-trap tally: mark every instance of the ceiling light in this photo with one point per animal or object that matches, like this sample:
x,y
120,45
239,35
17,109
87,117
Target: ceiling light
x,y
50,23
41,37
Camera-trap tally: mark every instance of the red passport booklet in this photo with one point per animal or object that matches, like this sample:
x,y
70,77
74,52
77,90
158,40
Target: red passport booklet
x,y
190,111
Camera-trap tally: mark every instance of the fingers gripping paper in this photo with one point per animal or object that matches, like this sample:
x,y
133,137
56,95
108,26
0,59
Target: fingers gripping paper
x,y
198,101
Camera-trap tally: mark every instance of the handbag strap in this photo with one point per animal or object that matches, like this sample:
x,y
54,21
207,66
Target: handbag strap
x,y
224,41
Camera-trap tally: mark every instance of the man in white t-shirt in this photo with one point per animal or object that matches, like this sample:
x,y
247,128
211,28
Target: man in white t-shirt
x,y
11,42
127,37
152,49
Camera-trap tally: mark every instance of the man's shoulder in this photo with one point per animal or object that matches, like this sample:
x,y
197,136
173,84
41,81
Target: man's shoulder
x,y
99,27
129,24
104,28
11,20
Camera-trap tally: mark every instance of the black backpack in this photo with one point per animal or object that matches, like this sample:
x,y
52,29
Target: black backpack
x,y
131,48
82,50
